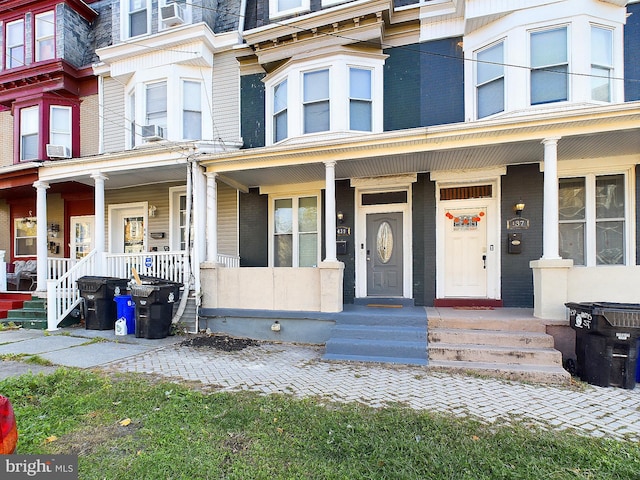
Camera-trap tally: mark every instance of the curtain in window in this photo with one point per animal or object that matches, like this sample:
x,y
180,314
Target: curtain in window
x,y
29,119
601,64
610,220
283,233
572,216
60,126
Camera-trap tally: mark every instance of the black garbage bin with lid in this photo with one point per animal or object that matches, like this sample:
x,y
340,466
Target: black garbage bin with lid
x,y
154,301
98,294
606,342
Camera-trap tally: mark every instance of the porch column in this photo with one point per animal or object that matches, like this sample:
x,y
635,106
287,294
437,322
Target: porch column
x,y
330,212
212,218
550,242
100,233
41,244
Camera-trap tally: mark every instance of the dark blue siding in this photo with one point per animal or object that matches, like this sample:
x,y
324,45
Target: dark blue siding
x,y
345,198
424,85
526,183
632,54
252,111
424,241
637,215
254,210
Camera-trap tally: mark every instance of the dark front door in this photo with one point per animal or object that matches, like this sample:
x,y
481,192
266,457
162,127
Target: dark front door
x,y
384,254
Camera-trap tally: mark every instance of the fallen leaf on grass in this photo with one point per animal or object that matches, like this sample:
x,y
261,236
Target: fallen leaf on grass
x,y
50,439
125,422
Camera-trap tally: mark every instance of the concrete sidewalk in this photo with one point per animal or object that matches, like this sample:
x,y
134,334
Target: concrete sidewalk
x,y
300,371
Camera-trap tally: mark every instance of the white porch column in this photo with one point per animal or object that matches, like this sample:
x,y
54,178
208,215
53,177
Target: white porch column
x,y
550,242
212,218
41,244
330,212
100,232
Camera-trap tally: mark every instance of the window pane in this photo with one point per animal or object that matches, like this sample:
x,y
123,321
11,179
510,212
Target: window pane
x,y
491,98
60,119
44,25
549,86
610,196
280,126
308,250
600,84
29,147
45,49
283,216
610,243
360,115
490,63
283,246
572,242
601,51
316,117
157,104
15,44
571,199
29,118
288,4
192,125
549,47
280,97
138,25
360,83
316,86
192,97
308,214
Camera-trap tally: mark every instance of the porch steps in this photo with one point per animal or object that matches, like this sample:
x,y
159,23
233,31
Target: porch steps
x,y
384,333
495,345
188,318
31,315
11,301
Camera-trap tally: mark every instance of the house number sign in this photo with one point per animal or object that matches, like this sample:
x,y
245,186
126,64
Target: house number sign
x,y
518,223
343,231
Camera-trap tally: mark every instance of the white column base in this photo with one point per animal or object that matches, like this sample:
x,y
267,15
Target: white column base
x,y
550,287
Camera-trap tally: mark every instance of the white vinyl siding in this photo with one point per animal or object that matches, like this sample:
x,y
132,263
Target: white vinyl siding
x,y
115,125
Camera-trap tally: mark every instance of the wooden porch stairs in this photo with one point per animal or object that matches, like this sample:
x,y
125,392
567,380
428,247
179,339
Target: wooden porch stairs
x,y
493,344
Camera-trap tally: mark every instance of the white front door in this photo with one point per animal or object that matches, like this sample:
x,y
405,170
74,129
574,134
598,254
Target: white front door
x,y
465,255
127,227
82,236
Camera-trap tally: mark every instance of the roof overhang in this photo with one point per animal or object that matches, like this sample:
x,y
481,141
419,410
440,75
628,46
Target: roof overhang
x,y
592,132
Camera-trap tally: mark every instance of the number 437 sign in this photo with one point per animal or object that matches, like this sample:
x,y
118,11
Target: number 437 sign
x,y
518,223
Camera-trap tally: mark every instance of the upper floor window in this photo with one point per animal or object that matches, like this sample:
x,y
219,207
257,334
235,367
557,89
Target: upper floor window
x,y
138,13
549,66
601,63
45,37
490,80
592,219
15,44
60,126
156,105
303,99
360,99
191,111
281,8
29,133
316,101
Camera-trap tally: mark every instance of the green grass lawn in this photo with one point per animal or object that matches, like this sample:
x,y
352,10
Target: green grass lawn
x,y
135,427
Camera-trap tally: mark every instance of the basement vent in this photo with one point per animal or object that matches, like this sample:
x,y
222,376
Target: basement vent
x,y
465,193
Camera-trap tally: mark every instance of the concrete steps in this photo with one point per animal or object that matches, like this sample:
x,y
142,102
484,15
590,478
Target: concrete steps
x,y
379,332
493,344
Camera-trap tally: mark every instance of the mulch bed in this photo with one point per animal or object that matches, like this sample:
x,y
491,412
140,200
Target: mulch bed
x,y
220,342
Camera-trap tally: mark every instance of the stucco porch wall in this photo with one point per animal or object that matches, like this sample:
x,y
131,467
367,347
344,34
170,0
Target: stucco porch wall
x,y
266,288
605,283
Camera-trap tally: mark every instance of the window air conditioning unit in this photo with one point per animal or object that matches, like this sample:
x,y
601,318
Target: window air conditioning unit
x,y
58,151
152,133
171,15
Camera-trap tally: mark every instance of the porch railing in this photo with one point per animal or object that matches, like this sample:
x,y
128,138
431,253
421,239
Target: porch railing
x,y
230,261
166,265
57,267
63,294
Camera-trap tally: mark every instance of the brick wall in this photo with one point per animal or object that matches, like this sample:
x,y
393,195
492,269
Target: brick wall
x,y
89,126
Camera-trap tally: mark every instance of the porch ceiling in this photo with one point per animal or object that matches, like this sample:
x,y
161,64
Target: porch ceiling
x,y
302,164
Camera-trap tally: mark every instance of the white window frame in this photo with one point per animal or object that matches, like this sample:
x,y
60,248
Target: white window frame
x,y
24,133
295,197
183,108
151,121
354,99
56,130
39,18
9,61
339,69
125,23
608,67
479,84
538,68
175,224
307,103
274,12
33,238
591,169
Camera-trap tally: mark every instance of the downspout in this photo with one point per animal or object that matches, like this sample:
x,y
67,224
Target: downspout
x,y
187,270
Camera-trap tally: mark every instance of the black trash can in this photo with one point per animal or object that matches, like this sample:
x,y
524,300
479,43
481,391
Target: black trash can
x,y
98,294
154,308
607,336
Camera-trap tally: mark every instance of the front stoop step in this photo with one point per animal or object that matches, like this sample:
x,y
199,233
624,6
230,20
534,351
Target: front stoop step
x,y
514,349
32,315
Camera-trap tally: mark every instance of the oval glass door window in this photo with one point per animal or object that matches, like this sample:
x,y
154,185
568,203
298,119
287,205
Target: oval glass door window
x,y
384,242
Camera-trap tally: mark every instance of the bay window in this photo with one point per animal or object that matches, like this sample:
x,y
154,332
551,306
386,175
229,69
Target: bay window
x,y
45,37
592,219
156,104
14,42
316,101
295,231
192,111
601,63
549,66
280,112
360,99
490,80
60,126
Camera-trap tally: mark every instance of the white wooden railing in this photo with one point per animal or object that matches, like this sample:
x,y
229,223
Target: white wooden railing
x,y
63,294
57,267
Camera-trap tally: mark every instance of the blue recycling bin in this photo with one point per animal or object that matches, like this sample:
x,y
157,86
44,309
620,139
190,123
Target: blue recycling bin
x,y
126,308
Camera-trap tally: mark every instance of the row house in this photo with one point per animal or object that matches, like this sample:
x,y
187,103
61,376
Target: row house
x,y
287,158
